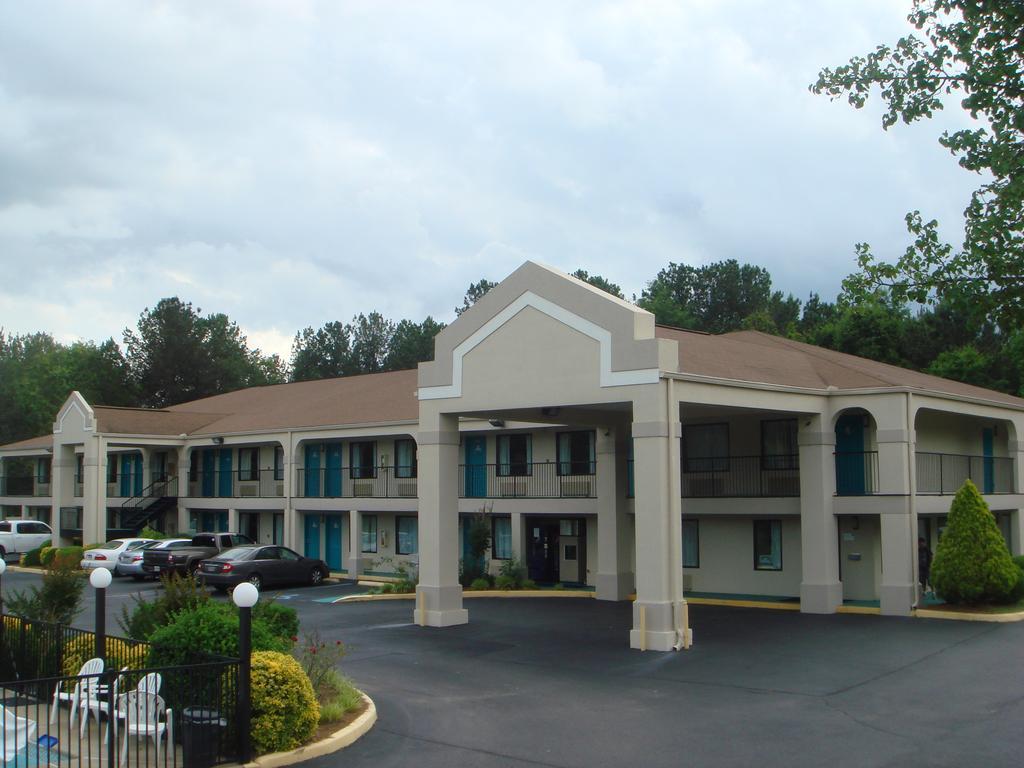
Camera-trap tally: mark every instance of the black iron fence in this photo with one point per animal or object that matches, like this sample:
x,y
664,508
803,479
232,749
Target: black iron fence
x,y
383,482
944,473
856,473
24,486
741,477
524,480
127,712
236,483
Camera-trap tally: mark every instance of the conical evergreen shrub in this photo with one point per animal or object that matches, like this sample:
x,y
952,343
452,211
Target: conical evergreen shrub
x,y
972,564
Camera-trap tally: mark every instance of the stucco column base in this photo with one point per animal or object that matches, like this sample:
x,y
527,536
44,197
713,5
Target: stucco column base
x,y
614,586
660,620
820,598
897,599
439,607
357,566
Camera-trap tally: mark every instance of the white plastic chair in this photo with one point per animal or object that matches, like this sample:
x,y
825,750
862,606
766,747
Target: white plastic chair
x,y
17,733
91,667
145,715
150,683
91,702
115,693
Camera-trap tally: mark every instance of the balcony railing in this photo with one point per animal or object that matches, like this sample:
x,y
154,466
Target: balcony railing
x,y
236,484
538,480
382,482
944,473
856,473
71,518
741,477
23,486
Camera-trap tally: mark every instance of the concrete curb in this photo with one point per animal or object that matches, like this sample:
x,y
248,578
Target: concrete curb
x,y
998,618
744,603
475,593
337,740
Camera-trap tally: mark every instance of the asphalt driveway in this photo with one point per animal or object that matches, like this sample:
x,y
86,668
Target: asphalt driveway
x,y
550,682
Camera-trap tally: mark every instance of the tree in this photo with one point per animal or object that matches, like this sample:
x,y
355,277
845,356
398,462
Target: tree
x,y
322,354
371,338
598,282
717,297
178,355
474,293
973,49
972,564
412,343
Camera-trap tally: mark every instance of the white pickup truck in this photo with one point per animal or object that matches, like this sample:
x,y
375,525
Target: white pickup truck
x,y
17,536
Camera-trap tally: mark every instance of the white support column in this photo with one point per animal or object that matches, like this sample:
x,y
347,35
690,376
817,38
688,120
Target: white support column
x,y
518,538
439,594
1017,532
94,491
659,610
820,589
898,590
614,577
357,561
62,483
233,524
24,512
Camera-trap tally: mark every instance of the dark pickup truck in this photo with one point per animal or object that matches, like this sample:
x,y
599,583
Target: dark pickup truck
x,y
187,559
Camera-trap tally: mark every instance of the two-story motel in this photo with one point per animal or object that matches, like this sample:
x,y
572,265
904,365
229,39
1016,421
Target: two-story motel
x,y
607,452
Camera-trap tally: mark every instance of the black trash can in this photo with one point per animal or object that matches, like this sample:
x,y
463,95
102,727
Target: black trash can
x,y
201,729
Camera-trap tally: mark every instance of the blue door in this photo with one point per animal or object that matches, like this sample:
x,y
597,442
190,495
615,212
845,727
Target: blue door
x,y
312,488
332,479
850,456
209,522
224,472
208,472
222,522
312,536
126,474
333,539
989,479
476,467
137,478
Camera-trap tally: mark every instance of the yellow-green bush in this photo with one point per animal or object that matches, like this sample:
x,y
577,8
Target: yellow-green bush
x,y
46,555
285,712
81,649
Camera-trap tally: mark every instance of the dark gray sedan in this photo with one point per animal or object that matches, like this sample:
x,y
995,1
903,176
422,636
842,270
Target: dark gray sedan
x,y
261,566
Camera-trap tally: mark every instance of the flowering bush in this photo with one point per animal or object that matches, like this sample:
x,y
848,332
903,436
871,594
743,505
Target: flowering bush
x,y
285,712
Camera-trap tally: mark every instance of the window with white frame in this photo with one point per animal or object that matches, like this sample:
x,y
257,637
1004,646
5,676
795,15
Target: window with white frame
x,y
368,539
362,460
778,444
706,448
406,535
405,458
501,538
767,545
576,453
691,544
514,455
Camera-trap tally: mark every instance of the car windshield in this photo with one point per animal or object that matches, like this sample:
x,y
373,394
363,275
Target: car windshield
x,y
178,544
237,553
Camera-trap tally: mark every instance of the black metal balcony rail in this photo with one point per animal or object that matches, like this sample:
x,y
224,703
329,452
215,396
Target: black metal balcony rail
x,y
379,482
24,485
943,473
236,483
741,477
523,480
856,473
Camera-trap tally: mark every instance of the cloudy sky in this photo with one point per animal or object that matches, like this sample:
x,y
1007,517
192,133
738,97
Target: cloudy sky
x,y
292,163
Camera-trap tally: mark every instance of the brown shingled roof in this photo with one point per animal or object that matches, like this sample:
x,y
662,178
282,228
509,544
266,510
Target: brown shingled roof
x,y
147,421
366,399
759,357
42,443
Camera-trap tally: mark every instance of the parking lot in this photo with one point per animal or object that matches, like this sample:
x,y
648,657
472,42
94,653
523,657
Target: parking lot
x,y
551,682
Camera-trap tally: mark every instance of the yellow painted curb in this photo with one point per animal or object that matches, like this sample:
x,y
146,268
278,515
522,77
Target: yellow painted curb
x,y
337,740
999,618
743,603
862,609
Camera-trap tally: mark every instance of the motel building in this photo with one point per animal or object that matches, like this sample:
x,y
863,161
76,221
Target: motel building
x,y
608,452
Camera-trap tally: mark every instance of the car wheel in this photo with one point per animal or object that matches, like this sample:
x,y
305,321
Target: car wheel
x,y
316,577
256,580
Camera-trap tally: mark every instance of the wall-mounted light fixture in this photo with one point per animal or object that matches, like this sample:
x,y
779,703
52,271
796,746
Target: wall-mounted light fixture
x,y
497,423
218,441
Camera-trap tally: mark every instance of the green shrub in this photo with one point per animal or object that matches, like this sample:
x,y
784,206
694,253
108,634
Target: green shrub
x,y
285,712
505,582
82,648
152,533
35,556
318,658
281,620
480,584
68,557
408,578
207,628
97,545
179,593
514,569
972,564
338,697
1018,560
58,599
46,556
529,584
558,586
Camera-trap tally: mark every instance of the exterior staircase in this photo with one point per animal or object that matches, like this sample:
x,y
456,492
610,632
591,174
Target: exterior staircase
x,y
142,508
